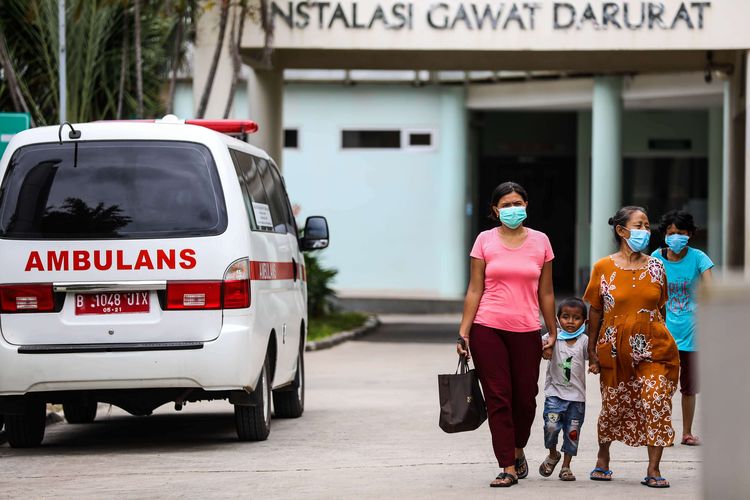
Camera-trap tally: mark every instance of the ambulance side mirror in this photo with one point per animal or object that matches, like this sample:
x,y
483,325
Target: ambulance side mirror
x,y
315,236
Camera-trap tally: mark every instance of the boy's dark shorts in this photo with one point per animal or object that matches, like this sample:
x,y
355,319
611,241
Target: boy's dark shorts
x,y
688,373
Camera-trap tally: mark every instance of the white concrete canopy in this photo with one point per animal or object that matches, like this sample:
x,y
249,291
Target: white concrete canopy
x,y
651,91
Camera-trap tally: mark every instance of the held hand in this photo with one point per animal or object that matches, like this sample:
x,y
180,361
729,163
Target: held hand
x,y
547,353
462,347
550,342
594,363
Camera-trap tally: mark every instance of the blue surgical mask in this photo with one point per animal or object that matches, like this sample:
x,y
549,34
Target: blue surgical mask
x,y
676,242
639,239
512,217
566,335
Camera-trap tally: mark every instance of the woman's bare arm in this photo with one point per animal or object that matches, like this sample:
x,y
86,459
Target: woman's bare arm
x,y
595,324
547,303
471,303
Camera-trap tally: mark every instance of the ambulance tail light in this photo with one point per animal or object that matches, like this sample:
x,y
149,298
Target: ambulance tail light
x,y
27,298
236,285
190,295
233,292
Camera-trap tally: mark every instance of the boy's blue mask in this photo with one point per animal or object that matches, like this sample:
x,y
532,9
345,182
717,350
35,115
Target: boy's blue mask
x,y
676,242
565,335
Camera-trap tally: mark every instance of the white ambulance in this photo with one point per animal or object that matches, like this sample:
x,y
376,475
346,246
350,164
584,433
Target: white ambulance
x,y
146,263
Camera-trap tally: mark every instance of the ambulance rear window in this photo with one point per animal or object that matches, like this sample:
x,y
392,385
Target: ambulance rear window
x,y
111,189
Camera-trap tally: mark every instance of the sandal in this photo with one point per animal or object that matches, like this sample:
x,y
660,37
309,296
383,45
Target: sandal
x,y
522,467
566,474
606,474
548,466
504,480
690,440
653,482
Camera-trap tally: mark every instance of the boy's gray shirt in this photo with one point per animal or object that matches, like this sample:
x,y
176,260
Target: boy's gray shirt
x,y
566,371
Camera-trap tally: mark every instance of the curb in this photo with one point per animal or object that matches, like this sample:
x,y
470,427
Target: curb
x,y
370,324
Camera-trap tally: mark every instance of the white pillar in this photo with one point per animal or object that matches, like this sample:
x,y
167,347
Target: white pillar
x,y
725,172
734,184
265,90
746,194
725,394
583,200
453,142
207,33
606,162
715,168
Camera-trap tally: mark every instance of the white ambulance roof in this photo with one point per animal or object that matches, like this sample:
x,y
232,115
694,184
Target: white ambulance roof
x,y
134,131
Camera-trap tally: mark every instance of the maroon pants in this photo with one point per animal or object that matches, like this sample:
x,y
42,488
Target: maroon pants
x,y
508,367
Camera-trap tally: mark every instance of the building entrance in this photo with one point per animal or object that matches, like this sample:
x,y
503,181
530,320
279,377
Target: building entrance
x,y
537,150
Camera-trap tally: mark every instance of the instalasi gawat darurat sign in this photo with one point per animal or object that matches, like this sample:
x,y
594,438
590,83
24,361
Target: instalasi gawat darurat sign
x,y
493,16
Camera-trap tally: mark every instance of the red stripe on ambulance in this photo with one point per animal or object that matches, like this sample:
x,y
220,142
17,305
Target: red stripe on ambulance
x,y
268,271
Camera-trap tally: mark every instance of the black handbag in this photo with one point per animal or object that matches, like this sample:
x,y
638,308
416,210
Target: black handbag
x,y
462,405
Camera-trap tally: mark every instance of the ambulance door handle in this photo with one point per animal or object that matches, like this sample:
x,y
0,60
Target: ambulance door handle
x,y
294,270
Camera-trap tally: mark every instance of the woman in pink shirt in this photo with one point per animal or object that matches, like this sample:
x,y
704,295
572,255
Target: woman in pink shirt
x,y
511,279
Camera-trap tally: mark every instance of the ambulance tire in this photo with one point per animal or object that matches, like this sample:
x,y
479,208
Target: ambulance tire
x,y
27,430
80,412
253,423
290,401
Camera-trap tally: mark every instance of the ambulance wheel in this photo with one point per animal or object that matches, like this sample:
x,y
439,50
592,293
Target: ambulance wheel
x,y
80,412
27,430
254,422
289,402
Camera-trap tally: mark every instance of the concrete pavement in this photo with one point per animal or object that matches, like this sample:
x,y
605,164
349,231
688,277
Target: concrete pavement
x,y
369,431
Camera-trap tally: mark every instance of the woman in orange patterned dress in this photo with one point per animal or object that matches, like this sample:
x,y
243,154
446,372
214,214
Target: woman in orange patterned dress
x,y
630,346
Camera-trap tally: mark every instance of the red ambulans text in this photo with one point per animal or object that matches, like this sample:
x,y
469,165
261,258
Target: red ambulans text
x,y
105,260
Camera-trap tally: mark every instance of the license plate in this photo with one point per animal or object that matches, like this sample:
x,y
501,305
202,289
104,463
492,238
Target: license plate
x,y
112,303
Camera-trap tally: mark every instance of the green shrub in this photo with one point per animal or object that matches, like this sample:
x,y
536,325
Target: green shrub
x,y
319,292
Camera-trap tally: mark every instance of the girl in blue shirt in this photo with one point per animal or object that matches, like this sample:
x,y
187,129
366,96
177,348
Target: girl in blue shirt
x,y
685,266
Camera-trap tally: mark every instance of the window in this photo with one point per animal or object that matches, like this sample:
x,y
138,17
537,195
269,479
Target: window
x,y
670,144
276,195
112,189
419,140
247,175
371,139
291,224
291,138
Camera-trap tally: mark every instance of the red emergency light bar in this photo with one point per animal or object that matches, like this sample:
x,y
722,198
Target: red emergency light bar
x,y
227,126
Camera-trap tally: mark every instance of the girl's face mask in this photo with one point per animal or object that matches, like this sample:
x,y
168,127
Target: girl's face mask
x,y
677,242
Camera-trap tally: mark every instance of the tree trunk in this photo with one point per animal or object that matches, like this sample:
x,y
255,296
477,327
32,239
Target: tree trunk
x,y
215,62
235,41
138,59
268,29
175,62
123,66
19,103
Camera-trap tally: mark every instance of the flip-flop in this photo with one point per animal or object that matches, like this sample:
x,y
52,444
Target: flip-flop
x,y
504,475
522,467
607,474
647,482
549,464
691,440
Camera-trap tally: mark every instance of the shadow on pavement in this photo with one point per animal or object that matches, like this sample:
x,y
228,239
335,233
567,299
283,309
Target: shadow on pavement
x,y
413,333
129,434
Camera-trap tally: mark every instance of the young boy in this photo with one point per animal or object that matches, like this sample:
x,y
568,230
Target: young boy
x,y
565,388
